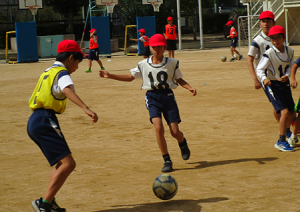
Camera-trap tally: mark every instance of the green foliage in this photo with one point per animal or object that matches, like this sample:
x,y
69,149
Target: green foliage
x,y
66,6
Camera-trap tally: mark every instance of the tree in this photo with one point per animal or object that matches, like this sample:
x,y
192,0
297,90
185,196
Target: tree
x,y
67,8
191,8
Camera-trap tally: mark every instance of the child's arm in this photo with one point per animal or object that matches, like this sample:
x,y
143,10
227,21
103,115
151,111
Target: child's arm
x,y
106,74
257,84
294,83
184,84
261,67
134,39
70,94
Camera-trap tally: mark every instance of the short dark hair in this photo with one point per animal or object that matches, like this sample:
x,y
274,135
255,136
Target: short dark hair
x,y
62,56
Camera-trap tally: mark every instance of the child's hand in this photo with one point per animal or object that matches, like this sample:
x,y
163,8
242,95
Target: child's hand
x,y
294,83
283,79
92,114
193,91
267,82
104,74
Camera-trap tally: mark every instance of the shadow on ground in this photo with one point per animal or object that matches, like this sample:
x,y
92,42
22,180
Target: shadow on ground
x,y
205,164
166,206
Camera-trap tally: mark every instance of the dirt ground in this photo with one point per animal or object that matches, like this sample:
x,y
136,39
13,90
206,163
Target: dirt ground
x,y
229,127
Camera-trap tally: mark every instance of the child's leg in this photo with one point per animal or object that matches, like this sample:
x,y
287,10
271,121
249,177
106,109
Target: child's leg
x,y
100,63
236,51
297,125
176,133
169,52
58,176
276,115
172,53
284,119
160,135
90,64
231,50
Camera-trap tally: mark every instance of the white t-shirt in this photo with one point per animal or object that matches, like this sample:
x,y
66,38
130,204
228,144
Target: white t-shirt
x,y
275,62
135,72
62,80
157,76
259,46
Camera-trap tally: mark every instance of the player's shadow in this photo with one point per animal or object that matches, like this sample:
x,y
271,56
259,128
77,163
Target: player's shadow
x,y
166,206
205,164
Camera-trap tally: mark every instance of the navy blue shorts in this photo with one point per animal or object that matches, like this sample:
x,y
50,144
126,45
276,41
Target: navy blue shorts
x,y
162,102
171,44
234,42
43,128
280,95
94,54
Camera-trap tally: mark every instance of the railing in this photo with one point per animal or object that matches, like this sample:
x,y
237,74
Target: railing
x,y
277,6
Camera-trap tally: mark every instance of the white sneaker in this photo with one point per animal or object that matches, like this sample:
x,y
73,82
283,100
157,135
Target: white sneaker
x,y
292,141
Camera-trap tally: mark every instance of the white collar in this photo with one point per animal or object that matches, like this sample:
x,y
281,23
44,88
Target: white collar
x,y
162,61
277,51
265,36
58,63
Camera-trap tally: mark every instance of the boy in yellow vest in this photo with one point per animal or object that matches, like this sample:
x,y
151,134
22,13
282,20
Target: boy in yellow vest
x,y
49,98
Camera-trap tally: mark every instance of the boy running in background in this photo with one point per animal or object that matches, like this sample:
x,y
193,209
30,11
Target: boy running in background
x,y
94,51
49,98
145,41
294,139
171,33
160,75
234,39
273,71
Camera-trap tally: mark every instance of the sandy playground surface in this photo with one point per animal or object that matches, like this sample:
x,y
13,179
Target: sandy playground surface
x,y
229,127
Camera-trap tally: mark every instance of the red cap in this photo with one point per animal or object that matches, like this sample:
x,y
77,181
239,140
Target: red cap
x,y
142,31
68,46
170,19
229,23
266,14
92,30
157,40
276,30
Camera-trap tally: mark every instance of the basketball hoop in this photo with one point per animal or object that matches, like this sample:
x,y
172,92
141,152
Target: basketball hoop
x,y
33,9
110,6
156,5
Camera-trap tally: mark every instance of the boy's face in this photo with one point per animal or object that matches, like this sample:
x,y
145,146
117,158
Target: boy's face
x,y
140,33
266,24
170,22
157,51
72,65
277,41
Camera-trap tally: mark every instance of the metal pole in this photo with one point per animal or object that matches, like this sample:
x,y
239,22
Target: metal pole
x,y
200,24
179,24
249,41
286,27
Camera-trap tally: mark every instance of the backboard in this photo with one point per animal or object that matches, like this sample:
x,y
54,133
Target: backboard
x,y
149,1
102,2
24,4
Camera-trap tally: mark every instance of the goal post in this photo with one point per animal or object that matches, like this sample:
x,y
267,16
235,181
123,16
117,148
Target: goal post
x,y
248,28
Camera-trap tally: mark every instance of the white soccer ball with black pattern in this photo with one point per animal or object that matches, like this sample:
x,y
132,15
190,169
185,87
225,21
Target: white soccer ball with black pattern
x,y
223,58
236,56
165,187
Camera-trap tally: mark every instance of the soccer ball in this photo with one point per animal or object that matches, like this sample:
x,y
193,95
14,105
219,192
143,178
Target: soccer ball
x,y
236,56
223,58
165,187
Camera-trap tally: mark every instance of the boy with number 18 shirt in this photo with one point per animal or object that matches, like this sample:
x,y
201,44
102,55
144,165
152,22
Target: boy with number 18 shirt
x,y
160,75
